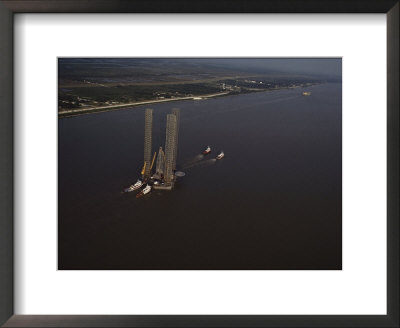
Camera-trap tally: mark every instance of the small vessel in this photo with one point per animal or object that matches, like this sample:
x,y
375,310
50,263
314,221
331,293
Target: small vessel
x,y
145,191
129,189
134,186
138,184
207,150
220,155
306,93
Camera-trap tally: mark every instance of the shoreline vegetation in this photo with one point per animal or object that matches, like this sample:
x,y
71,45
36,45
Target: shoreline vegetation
x,y
101,109
119,106
90,85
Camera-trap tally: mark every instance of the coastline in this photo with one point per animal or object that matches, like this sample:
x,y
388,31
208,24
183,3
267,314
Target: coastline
x,y
101,109
109,108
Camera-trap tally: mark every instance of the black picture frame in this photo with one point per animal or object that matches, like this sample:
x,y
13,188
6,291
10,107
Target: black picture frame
x,y
10,7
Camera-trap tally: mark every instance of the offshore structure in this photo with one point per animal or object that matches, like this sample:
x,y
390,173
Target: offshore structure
x,y
176,112
148,136
160,165
164,176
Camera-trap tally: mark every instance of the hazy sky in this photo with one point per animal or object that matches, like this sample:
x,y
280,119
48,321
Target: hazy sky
x,y
314,66
319,67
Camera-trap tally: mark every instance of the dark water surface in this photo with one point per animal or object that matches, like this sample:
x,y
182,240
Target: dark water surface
x,y
273,202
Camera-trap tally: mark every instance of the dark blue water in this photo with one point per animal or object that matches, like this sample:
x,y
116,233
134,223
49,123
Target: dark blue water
x,y
273,202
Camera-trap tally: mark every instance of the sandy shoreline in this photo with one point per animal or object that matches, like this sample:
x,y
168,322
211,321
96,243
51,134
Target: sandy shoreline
x,y
109,108
100,109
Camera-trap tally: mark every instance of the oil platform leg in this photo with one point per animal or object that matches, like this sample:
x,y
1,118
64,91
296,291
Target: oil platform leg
x,y
176,112
170,148
148,127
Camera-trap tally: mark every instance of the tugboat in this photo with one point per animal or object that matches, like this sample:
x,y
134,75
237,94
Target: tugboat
x,y
134,186
207,150
220,155
129,189
145,191
138,184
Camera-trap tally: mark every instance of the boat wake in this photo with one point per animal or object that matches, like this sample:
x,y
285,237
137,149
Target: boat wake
x,y
207,162
203,163
199,160
193,161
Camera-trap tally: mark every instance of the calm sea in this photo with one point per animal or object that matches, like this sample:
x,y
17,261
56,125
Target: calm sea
x,y
273,202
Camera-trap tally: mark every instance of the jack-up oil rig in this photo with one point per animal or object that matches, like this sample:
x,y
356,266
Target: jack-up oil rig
x,y
164,175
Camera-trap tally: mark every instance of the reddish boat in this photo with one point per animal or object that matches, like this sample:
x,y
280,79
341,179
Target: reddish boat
x,y
207,150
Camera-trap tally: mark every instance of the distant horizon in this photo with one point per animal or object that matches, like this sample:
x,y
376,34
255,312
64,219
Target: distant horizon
x,y
318,67
99,84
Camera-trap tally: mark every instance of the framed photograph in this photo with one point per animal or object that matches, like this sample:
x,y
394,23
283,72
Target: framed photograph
x,y
201,112
215,164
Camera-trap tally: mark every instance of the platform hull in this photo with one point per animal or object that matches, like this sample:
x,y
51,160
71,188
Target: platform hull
x,y
164,187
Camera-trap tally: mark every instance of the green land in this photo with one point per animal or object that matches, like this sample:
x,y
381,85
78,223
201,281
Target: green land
x,y
96,85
